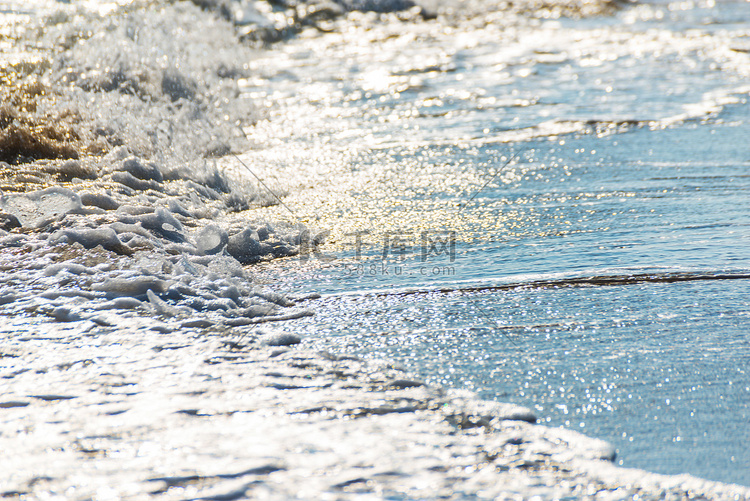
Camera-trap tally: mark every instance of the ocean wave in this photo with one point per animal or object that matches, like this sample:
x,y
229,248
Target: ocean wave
x,y
111,142
117,121
609,280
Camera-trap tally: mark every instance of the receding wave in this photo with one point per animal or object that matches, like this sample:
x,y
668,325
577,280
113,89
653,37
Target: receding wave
x,y
591,281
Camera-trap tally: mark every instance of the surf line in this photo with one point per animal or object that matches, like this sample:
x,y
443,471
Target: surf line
x,y
596,281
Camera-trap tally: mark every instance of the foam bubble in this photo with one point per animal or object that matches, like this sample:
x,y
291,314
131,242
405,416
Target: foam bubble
x,y
38,208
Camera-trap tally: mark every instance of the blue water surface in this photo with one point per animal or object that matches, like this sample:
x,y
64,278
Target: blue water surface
x,y
641,185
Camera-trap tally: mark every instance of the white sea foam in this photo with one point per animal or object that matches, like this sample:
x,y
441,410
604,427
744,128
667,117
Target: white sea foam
x,y
40,207
154,224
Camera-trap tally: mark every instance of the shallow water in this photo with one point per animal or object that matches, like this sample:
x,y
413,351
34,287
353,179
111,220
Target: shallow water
x,y
629,135
547,211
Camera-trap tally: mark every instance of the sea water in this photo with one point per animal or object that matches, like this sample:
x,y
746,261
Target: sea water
x,y
554,214
546,210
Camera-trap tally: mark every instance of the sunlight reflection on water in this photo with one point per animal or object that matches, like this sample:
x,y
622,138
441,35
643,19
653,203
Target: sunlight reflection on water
x,y
631,160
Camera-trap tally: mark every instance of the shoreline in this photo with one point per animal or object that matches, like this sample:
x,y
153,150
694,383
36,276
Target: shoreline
x,y
127,415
